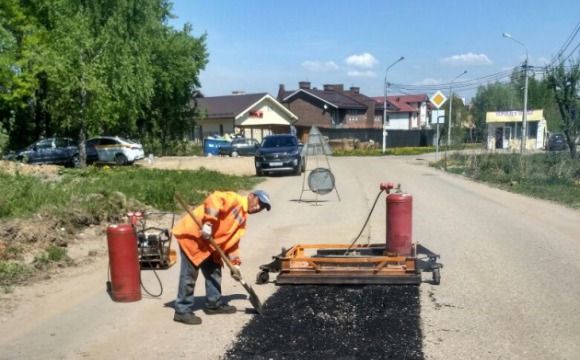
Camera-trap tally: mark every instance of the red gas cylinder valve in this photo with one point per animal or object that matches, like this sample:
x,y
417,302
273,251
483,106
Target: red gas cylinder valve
x,y
387,186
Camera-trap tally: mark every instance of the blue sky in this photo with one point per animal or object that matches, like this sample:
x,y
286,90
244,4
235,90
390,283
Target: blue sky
x,y
255,45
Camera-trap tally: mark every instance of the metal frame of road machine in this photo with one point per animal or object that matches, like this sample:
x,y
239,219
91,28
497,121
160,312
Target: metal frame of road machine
x,y
361,264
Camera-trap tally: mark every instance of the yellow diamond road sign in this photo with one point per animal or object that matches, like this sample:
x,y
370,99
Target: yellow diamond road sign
x,y
438,99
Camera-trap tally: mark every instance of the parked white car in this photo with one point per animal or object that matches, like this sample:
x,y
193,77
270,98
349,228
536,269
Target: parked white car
x,y
115,149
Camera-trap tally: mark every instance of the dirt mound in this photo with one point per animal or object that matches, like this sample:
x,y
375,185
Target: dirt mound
x,y
12,167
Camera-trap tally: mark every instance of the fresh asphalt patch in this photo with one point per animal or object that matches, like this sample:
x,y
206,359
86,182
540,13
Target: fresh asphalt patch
x,y
334,322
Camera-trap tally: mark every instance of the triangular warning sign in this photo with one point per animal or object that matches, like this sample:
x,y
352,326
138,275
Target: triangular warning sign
x,y
316,145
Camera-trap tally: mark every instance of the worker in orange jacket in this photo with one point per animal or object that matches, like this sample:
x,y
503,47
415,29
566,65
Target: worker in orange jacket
x,y
223,216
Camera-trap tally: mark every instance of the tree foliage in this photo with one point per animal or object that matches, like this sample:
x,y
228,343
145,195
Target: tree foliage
x,y
91,67
565,83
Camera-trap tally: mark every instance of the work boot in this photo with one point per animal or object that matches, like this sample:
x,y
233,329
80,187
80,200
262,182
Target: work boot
x,y
221,309
189,319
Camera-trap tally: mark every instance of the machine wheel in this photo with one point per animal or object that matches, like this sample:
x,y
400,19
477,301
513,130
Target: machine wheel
x,y
121,159
436,276
262,278
298,169
76,161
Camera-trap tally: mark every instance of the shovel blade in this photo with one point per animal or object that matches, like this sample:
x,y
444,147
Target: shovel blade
x,y
254,300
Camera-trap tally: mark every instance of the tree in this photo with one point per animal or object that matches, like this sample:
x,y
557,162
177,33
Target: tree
x,y
22,50
458,119
101,77
566,86
177,59
492,97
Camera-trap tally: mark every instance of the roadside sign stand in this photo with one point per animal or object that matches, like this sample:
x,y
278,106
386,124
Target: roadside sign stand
x,y
320,180
438,99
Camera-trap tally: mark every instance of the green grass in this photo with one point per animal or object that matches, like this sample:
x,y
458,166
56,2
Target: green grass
x,y
378,152
12,273
52,255
402,151
548,176
25,195
78,198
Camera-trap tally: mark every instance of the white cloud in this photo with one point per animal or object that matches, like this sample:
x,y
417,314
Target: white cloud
x,y
544,61
319,66
467,59
428,81
366,61
367,74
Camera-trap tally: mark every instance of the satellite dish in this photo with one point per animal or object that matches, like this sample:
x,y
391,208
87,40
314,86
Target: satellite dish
x,y
321,181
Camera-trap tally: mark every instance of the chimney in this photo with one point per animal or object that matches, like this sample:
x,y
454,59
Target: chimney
x,y
328,87
238,92
281,91
304,85
354,90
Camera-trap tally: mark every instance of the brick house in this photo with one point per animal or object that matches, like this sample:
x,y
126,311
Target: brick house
x,y
333,107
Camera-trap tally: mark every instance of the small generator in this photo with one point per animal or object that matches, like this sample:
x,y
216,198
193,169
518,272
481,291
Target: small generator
x,y
153,243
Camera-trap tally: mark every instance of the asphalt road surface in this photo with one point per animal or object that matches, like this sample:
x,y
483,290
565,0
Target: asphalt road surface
x,y
509,287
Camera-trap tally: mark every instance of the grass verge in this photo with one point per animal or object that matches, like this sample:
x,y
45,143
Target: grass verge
x,y
548,176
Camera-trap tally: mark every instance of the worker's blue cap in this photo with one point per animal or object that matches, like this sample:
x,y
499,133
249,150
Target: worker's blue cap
x,y
264,198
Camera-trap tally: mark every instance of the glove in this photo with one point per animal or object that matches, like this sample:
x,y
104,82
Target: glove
x,y
236,273
206,231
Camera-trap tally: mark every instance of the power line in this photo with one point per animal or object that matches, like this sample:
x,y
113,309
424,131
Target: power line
x,y
566,45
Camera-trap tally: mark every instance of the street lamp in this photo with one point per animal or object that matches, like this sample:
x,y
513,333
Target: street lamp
x,y
385,103
525,114
451,109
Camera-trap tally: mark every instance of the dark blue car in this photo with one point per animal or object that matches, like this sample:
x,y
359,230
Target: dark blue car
x,y
55,150
279,153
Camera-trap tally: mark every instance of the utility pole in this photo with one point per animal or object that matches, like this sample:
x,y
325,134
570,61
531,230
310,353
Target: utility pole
x,y
525,114
385,104
451,108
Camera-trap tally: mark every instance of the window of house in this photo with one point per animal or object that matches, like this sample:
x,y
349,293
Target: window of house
x,y
351,115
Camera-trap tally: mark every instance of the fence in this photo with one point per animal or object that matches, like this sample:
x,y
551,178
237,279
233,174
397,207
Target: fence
x,y
395,138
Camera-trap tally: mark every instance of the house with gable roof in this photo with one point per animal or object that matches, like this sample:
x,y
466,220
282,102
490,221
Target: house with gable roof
x,y
407,112
252,115
333,107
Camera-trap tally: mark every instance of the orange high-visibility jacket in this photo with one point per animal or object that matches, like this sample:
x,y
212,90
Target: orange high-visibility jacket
x,y
227,212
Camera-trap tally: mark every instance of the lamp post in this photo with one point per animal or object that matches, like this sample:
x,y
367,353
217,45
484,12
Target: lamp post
x,y
525,114
451,108
385,103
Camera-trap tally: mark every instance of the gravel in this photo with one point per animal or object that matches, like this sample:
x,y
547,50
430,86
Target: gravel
x,y
334,322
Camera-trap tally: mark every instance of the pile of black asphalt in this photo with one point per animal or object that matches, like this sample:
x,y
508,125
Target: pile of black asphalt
x,y
334,322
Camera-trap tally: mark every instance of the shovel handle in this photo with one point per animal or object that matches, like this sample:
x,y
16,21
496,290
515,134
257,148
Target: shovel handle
x,y
210,239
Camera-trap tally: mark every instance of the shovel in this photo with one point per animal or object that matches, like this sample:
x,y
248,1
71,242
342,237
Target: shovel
x,y
253,297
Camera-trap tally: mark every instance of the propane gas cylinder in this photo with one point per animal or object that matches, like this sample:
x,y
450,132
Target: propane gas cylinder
x,y
124,263
399,223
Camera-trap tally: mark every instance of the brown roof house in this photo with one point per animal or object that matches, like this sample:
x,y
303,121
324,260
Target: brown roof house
x,y
334,107
331,107
252,115
407,112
